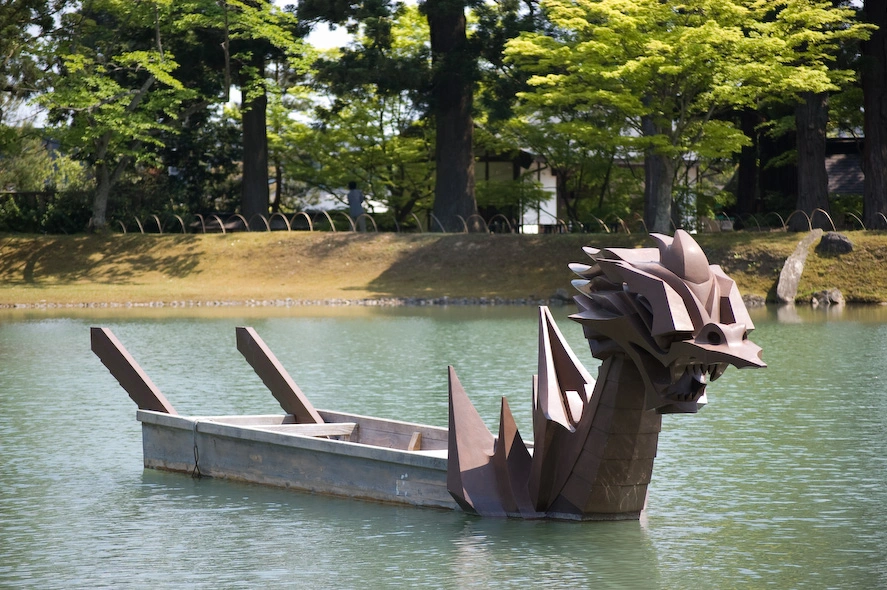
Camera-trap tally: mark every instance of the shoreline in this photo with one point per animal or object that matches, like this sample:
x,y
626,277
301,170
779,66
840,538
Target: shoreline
x,y
751,302
367,302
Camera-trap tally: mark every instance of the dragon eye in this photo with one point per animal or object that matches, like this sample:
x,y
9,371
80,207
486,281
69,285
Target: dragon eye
x,y
714,338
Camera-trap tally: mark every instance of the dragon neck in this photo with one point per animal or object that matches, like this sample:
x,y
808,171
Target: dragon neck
x,y
627,433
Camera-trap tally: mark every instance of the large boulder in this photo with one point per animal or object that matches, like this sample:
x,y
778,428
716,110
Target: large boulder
x,y
790,277
751,300
829,297
834,243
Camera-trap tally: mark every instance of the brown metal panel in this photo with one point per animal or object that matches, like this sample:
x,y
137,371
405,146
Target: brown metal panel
x,y
512,462
127,371
274,376
471,474
635,472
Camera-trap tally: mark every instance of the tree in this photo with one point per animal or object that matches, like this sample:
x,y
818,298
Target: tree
x,y
370,125
373,142
452,100
25,28
814,34
256,33
446,88
671,71
29,166
650,72
115,90
811,120
576,144
874,83
499,81
123,93
202,158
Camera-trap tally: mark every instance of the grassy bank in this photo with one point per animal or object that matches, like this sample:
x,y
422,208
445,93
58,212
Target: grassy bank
x,y
315,266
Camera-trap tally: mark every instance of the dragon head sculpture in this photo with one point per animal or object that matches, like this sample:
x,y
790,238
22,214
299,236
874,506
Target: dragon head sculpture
x,y
678,318
665,322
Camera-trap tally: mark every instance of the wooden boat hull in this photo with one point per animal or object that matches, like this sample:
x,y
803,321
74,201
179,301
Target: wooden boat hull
x,y
271,450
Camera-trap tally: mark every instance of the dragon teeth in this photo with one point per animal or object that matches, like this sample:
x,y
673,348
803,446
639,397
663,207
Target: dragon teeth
x,y
698,372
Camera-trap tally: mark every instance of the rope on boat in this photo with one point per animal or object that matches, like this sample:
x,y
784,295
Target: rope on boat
x,y
196,471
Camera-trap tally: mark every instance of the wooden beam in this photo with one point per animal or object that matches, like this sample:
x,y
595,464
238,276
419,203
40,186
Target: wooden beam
x,y
275,377
127,371
345,429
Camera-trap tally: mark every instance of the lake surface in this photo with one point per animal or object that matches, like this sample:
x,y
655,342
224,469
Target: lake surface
x,y
781,481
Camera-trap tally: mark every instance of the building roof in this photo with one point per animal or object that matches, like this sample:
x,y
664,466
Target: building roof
x,y
845,175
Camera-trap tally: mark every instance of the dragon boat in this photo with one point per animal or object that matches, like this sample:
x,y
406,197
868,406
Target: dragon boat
x,y
663,321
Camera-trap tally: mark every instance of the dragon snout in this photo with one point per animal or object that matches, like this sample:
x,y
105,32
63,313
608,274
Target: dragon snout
x,y
729,343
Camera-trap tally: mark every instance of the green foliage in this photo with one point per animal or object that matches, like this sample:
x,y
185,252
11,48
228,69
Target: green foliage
x,y
202,163
377,142
25,29
703,195
134,75
133,90
362,123
843,206
44,212
492,25
30,174
116,92
653,77
505,194
845,112
27,163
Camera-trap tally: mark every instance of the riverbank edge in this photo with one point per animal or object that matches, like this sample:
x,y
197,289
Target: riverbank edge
x,y
368,302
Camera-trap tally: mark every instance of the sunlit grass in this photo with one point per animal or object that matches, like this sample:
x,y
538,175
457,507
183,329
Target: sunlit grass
x,y
323,265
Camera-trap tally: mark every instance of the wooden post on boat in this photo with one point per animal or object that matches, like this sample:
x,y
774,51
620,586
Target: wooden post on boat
x,y
275,377
128,372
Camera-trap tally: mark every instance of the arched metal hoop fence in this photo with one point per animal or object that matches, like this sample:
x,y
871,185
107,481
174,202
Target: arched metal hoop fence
x,y
807,220
337,221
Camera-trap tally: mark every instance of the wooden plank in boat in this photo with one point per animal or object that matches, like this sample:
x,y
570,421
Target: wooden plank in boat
x,y
392,434
325,429
275,377
127,371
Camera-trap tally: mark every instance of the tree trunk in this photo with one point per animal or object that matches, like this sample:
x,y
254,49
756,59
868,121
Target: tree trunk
x,y
254,190
747,181
278,187
874,87
562,196
658,184
100,200
452,95
105,181
811,117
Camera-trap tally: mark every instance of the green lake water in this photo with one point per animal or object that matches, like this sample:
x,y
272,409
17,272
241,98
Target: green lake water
x,y
780,482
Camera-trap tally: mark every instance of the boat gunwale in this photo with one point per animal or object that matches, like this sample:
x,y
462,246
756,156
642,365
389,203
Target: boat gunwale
x,y
216,426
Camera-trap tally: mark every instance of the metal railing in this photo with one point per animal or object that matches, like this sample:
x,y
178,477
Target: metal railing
x,y
498,223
